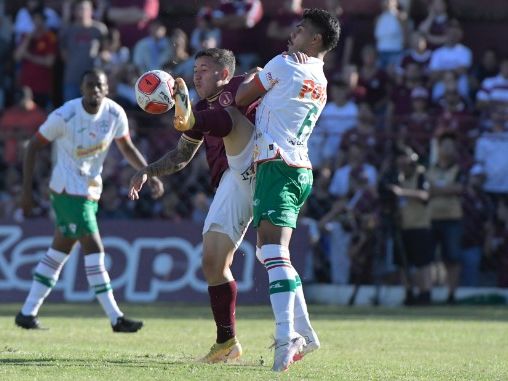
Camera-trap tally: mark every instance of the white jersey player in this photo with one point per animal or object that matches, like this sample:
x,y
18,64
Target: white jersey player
x,y
82,130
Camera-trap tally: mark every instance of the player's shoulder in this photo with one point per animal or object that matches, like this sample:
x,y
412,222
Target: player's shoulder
x,y
113,108
68,110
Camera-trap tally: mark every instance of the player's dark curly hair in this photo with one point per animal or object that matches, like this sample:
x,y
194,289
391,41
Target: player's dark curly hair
x,y
222,57
326,25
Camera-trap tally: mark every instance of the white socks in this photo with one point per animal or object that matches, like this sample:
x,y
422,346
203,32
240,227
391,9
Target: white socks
x,y
282,289
45,277
98,278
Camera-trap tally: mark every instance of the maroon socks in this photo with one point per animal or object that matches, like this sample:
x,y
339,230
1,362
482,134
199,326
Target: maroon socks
x,y
223,302
216,122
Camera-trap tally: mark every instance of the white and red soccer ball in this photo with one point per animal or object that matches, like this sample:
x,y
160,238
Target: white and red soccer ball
x,y
154,91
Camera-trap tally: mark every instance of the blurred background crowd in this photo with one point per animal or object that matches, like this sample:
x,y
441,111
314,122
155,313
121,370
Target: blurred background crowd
x,y
410,153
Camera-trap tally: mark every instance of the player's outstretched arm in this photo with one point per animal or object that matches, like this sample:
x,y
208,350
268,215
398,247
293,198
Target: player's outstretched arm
x,y
250,90
174,161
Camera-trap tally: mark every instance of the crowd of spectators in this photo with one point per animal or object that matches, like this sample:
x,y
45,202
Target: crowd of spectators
x,y
409,154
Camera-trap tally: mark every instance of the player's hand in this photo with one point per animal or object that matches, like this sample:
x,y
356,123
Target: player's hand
x,y
27,204
156,187
137,181
254,70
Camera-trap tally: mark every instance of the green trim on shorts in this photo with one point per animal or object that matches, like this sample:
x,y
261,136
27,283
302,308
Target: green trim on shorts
x,y
280,193
283,285
76,216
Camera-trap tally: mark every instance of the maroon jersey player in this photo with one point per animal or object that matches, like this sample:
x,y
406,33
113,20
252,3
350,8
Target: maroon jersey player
x,y
228,138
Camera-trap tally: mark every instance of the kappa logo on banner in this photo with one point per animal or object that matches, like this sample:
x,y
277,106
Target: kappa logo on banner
x,y
141,269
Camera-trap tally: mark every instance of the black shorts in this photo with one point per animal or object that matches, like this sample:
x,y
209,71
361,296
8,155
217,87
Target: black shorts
x,y
416,246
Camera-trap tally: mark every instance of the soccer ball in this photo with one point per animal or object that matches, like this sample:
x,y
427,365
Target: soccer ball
x,y
154,91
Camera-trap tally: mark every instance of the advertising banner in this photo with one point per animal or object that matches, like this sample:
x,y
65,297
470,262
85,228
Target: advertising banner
x,y
148,261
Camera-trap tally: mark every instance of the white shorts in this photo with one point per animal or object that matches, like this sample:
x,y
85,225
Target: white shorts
x,y
231,210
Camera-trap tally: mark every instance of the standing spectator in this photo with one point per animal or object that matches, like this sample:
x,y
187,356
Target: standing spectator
x,y
494,90
400,97
487,67
18,123
413,241
417,129
37,52
478,213
453,56
497,243
446,188
5,54
283,24
132,18
389,33
204,31
490,150
238,21
339,115
418,53
434,26
80,44
24,23
373,80
345,46
154,51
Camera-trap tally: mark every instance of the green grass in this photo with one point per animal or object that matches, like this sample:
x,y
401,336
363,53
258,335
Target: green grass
x,y
438,343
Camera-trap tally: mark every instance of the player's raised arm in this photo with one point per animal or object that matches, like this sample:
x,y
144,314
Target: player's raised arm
x,y
173,161
250,90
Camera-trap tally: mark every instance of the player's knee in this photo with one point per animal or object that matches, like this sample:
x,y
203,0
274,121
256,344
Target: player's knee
x,y
213,264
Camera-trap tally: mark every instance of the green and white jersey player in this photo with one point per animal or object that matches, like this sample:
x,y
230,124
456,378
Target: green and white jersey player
x,y
82,130
294,95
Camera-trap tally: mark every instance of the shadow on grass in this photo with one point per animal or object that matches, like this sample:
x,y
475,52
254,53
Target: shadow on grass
x,y
177,311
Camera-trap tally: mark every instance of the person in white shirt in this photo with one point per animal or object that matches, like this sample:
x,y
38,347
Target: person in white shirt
x,y
453,56
294,95
338,116
494,90
82,131
389,33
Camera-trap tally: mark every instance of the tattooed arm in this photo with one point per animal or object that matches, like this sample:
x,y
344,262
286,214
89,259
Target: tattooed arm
x,y
173,161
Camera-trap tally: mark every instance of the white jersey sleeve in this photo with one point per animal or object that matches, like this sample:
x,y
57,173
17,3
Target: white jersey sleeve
x,y
122,129
276,71
53,127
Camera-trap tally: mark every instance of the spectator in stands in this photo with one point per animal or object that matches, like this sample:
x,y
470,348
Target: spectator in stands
x,y
80,44
154,51
490,150
494,90
238,21
111,203
339,115
446,187
345,46
435,25
282,25
413,239
180,43
373,80
418,53
478,213
204,32
18,123
5,55
389,33
24,23
112,58
399,104
132,18
200,205
417,129
487,67
497,243
452,56
37,52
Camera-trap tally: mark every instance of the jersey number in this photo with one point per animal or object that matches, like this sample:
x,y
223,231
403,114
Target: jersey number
x,y
308,124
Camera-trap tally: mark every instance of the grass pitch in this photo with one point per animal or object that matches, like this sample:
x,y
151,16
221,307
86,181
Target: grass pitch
x,y
436,343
